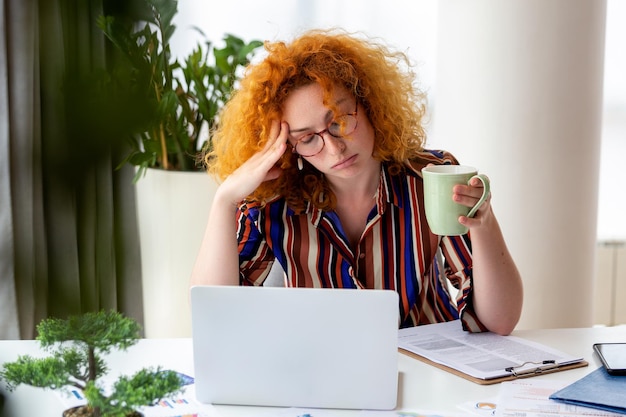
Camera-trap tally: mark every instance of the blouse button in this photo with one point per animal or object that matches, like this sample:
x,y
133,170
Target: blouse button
x,y
362,255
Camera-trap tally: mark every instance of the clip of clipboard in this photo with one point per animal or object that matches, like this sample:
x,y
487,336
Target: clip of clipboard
x,y
520,371
513,372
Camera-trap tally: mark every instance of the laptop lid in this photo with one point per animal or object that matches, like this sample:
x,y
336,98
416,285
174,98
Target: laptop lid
x,y
295,347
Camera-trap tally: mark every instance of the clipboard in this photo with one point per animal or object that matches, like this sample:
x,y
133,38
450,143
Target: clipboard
x,y
546,367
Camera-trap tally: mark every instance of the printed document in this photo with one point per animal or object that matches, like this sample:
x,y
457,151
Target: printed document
x,y
481,355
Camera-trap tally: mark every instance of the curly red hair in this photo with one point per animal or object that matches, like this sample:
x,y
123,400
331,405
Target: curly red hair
x,y
372,72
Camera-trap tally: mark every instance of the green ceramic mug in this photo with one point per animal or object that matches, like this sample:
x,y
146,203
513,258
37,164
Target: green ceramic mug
x,y
442,212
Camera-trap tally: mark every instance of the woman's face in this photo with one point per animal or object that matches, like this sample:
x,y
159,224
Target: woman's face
x,y
306,114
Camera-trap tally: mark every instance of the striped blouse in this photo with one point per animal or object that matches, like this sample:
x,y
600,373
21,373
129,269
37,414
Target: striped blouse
x,y
396,251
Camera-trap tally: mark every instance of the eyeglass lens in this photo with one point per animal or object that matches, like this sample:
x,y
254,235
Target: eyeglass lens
x,y
313,143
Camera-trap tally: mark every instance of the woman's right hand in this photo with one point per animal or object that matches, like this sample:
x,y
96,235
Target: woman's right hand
x,y
218,259
259,168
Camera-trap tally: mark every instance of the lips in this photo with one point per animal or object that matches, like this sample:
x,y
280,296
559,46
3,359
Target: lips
x,y
345,162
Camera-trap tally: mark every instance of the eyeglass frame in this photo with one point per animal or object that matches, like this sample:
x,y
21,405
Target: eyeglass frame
x,y
321,132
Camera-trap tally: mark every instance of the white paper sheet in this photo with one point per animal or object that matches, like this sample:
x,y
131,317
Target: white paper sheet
x,y
481,355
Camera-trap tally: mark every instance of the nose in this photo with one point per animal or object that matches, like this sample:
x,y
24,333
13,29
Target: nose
x,y
335,145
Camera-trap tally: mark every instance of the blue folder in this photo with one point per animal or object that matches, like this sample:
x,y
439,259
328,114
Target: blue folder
x,y
596,390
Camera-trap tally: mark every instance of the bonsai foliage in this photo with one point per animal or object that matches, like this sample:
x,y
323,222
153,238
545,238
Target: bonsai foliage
x,y
77,346
186,97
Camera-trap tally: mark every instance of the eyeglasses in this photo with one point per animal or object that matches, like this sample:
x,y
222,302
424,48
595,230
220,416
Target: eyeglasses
x,y
311,144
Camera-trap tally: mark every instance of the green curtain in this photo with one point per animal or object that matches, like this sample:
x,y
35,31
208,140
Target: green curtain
x,y
72,219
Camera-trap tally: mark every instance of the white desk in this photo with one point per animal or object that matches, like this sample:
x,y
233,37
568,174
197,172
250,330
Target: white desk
x,y
422,387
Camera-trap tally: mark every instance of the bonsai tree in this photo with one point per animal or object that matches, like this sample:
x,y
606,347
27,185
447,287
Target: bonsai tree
x,y
185,96
77,346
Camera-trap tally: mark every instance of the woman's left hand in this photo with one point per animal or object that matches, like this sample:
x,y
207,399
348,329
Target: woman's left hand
x,y
468,195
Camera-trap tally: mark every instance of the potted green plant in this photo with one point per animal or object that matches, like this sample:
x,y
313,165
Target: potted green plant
x,y
186,96
173,194
77,346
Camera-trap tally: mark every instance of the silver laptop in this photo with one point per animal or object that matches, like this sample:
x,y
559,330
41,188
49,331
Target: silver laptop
x,y
295,347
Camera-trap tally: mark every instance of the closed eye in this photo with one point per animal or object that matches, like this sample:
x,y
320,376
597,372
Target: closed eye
x,y
307,138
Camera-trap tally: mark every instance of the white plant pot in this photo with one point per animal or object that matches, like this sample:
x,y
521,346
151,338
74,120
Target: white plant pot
x,y
172,211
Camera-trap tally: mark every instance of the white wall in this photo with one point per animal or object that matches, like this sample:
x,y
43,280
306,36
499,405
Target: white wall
x,y
612,197
522,81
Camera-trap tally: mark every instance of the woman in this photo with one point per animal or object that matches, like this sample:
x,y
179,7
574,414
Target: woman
x,y
320,152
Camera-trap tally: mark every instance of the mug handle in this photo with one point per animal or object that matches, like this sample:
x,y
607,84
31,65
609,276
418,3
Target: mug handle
x,y
483,198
